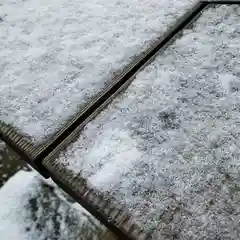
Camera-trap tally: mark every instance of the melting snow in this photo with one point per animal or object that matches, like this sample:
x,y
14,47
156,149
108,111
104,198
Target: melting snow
x,y
32,210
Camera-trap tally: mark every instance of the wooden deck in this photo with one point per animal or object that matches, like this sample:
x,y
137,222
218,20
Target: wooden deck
x,y
43,158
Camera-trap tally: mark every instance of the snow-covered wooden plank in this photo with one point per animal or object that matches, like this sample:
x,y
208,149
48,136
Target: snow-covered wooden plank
x,y
55,56
168,148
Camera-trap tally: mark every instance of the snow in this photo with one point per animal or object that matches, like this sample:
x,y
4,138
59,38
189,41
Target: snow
x,y
10,202
168,148
56,56
30,209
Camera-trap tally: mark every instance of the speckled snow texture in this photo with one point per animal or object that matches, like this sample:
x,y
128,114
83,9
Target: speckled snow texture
x,y
169,146
57,55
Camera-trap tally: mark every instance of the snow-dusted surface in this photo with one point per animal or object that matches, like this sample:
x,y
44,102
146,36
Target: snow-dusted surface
x,y
169,146
57,55
31,210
